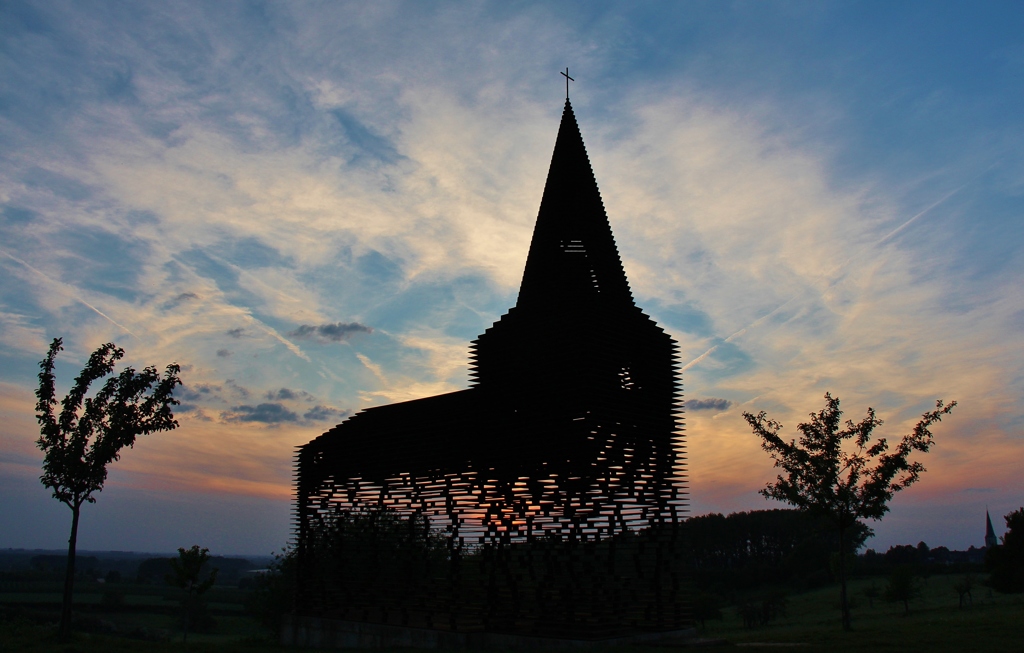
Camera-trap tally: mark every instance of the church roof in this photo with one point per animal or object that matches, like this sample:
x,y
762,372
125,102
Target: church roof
x,y
573,257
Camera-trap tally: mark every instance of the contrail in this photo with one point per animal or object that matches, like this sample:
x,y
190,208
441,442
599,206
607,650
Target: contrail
x,y
941,200
291,346
737,334
73,292
906,224
835,274
262,326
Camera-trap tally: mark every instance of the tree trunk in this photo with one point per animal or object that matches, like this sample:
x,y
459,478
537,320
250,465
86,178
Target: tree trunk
x,y
188,609
69,577
844,605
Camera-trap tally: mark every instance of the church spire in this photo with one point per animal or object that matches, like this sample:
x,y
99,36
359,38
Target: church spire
x,y
573,259
990,533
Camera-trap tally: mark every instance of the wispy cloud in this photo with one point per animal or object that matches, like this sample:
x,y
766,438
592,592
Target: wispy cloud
x,y
387,164
69,290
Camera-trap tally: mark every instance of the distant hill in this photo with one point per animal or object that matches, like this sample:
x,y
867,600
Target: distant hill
x,y
129,566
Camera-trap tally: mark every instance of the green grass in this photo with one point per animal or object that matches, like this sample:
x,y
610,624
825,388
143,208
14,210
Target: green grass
x,y
994,624
33,608
24,637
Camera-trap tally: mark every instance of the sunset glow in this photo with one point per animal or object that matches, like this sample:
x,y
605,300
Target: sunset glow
x,y
314,207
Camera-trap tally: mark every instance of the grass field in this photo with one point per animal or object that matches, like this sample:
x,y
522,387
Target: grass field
x,y
994,623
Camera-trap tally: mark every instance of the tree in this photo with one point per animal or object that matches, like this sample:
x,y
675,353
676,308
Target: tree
x,y
963,588
872,593
273,594
844,486
90,432
185,572
903,587
1005,561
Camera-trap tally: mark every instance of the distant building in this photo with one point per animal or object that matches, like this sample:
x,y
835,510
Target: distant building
x,y
990,535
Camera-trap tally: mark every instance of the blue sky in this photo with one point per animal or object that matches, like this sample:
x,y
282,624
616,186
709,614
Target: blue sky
x,y
313,207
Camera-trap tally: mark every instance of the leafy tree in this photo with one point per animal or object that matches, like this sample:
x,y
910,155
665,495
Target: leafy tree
x,y
273,593
844,486
963,588
903,587
185,572
1005,561
745,550
706,606
872,593
89,432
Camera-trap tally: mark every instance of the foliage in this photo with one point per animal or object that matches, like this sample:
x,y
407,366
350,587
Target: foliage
x,y
939,560
90,432
706,606
872,592
963,589
186,571
842,485
152,570
1006,561
903,587
360,554
760,610
273,593
744,550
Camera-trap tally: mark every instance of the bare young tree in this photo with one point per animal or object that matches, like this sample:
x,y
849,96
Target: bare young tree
x,y
90,432
821,478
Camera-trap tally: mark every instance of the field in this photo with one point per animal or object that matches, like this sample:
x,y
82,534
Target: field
x,y
144,622
142,618
994,622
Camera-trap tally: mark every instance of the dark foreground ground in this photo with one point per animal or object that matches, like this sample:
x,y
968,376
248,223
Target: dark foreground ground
x,y
144,622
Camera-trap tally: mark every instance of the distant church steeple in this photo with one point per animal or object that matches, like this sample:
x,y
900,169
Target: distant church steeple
x,y
990,534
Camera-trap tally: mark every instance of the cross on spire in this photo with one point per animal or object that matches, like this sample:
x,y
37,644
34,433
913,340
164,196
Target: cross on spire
x,y
567,80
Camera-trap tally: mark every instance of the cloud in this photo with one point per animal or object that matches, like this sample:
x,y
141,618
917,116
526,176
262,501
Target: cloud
x,y
287,394
223,353
197,391
283,393
18,332
242,391
369,175
192,395
323,413
267,413
711,403
336,332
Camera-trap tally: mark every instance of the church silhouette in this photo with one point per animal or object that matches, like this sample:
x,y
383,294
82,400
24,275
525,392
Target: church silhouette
x,y
542,500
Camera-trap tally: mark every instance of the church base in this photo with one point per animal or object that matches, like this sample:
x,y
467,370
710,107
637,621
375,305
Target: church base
x,y
315,632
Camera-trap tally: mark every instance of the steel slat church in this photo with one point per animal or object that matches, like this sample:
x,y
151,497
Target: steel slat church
x,y
543,500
